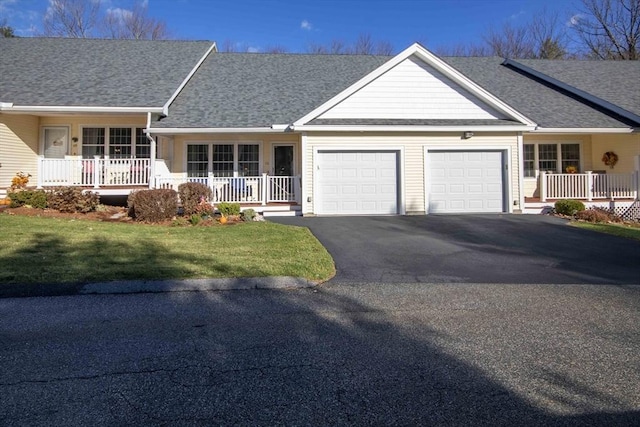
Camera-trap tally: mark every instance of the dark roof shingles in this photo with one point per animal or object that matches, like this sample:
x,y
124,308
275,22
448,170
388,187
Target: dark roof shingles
x,y
94,72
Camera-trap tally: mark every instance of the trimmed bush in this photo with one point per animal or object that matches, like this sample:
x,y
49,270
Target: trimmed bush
x,y
248,215
598,215
229,209
192,194
569,207
33,198
153,205
72,199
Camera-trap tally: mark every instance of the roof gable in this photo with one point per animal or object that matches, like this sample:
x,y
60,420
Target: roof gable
x,y
453,79
410,90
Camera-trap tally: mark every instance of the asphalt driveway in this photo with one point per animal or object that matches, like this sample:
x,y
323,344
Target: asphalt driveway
x,y
533,249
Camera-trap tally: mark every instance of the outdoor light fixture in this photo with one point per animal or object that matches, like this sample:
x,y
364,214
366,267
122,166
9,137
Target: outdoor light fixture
x,y
467,135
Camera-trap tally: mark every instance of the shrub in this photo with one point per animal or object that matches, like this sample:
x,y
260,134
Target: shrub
x,y
193,194
248,215
598,215
229,209
153,205
20,180
33,198
569,207
72,199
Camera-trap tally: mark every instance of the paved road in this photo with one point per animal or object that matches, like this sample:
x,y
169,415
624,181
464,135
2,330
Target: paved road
x,y
337,355
472,249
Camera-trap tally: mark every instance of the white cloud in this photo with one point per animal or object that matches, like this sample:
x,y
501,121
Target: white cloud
x,y
573,21
252,49
306,25
517,15
119,13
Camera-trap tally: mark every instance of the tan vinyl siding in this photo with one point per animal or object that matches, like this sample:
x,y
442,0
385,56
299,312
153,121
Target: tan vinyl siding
x,y
19,145
412,169
412,90
625,146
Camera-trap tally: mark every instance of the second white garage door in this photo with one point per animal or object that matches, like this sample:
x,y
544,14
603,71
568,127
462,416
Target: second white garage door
x,y
356,182
465,181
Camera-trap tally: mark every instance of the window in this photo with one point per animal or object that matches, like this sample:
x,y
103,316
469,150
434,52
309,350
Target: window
x,y
116,142
197,160
143,145
92,142
570,157
120,143
223,160
550,158
529,161
248,160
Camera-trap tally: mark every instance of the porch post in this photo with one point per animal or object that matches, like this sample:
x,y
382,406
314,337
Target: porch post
x,y
589,186
543,186
40,167
96,175
152,161
297,188
265,189
637,172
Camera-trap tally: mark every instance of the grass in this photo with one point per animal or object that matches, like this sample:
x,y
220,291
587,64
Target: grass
x,y
621,230
50,250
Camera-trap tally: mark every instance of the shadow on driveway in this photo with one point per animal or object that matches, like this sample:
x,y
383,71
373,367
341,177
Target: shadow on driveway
x,y
519,249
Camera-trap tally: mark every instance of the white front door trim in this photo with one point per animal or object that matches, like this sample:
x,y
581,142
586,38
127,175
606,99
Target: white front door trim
x,y
507,174
400,172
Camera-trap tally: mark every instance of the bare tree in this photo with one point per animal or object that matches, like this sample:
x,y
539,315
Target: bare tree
x,y
275,49
133,24
548,35
609,29
85,18
364,45
510,42
71,18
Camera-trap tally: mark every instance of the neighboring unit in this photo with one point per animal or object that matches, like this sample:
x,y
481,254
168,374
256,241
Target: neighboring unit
x,y
320,134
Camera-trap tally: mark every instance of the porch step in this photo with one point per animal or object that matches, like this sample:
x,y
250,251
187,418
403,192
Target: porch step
x,y
268,214
290,210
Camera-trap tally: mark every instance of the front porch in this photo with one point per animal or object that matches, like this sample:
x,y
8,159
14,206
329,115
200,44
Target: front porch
x,y
269,194
616,192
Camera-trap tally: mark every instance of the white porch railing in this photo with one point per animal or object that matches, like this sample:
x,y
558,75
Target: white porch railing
x,y
96,172
589,186
249,189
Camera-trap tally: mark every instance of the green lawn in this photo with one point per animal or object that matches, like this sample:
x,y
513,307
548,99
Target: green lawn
x,y
615,229
47,250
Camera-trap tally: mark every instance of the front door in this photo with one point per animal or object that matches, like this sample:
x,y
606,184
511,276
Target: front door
x,y
56,142
283,160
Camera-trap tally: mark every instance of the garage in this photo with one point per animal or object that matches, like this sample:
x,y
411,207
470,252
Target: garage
x,y
356,182
465,181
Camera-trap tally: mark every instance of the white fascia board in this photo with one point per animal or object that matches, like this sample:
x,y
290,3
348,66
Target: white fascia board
x,y
62,109
435,62
169,131
584,130
6,105
409,128
165,108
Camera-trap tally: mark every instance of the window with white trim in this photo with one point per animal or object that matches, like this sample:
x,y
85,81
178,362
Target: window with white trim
x,y
223,160
116,142
550,158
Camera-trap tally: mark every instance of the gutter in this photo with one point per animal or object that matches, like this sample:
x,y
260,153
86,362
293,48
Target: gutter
x,y
166,131
584,130
10,108
407,128
578,92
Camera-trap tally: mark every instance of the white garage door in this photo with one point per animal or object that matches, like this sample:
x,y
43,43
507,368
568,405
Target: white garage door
x,y
465,181
356,182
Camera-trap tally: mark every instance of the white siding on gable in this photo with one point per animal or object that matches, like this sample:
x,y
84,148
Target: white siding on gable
x,y
412,90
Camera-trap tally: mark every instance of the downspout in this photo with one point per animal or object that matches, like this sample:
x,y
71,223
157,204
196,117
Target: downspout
x,y
152,155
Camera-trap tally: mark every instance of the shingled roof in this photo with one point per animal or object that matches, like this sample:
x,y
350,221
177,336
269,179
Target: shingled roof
x,y
94,72
240,90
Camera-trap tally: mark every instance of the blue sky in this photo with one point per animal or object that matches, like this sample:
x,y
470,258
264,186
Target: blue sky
x,y
260,24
